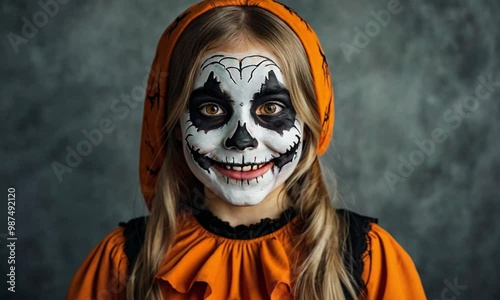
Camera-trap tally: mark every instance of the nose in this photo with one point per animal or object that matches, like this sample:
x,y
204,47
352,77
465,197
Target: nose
x,y
241,139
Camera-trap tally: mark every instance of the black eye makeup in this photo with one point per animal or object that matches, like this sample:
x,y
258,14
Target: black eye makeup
x,y
272,106
210,107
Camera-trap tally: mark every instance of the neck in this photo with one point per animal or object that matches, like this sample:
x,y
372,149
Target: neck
x,y
271,207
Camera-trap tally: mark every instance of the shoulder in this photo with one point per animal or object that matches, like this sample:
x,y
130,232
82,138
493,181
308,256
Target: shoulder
x,y
357,225
103,273
357,228
388,270
385,251
109,249
133,234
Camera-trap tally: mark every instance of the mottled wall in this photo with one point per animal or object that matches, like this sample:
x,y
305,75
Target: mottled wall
x,y
412,80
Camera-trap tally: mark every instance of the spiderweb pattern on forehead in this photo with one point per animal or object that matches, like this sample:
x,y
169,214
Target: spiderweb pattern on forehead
x,y
240,68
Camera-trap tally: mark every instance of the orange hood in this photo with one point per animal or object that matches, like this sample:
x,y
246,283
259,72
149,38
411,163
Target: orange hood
x,y
152,153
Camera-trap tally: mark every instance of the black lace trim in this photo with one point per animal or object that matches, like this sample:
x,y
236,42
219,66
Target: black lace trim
x,y
243,232
358,227
134,234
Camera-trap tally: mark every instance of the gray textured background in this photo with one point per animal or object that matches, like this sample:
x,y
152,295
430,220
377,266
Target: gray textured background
x,y
395,90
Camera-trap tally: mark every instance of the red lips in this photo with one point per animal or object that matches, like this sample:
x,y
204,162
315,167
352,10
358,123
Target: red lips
x,y
243,175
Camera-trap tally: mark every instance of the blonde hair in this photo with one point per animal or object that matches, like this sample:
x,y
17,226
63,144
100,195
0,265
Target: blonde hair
x,y
321,271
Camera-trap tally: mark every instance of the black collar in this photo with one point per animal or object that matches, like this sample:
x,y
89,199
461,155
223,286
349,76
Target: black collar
x,y
242,232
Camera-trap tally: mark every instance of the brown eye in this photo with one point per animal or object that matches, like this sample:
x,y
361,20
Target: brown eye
x,y
211,109
269,108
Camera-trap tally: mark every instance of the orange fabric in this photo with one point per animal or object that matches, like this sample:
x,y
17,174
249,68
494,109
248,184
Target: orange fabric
x,y
202,265
152,151
389,272
103,274
229,269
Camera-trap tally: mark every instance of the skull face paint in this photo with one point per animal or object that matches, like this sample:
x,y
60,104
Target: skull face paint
x,y
242,136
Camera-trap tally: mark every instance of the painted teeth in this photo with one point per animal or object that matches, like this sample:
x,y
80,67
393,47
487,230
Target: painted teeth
x,y
245,168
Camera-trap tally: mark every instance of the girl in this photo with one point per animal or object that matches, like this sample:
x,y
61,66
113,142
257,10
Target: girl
x,y
239,107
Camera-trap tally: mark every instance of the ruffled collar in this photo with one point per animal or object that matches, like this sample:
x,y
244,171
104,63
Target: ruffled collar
x,y
243,232
212,260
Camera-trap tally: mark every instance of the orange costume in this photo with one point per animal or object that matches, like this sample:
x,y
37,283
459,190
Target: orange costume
x,y
212,260
207,265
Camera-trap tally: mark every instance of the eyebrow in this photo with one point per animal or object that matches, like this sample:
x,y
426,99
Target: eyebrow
x,y
266,91
212,88
271,86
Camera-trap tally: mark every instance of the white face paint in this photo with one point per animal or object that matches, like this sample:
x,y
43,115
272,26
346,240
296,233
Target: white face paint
x,y
242,137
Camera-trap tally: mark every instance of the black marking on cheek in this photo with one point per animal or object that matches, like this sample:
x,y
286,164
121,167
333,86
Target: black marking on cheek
x,y
273,90
187,129
176,23
203,161
280,123
292,12
288,156
300,131
209,92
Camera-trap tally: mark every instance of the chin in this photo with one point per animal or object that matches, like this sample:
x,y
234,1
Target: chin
x,y
238,195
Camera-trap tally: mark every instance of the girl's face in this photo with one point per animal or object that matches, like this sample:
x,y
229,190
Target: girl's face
x,y
241,135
